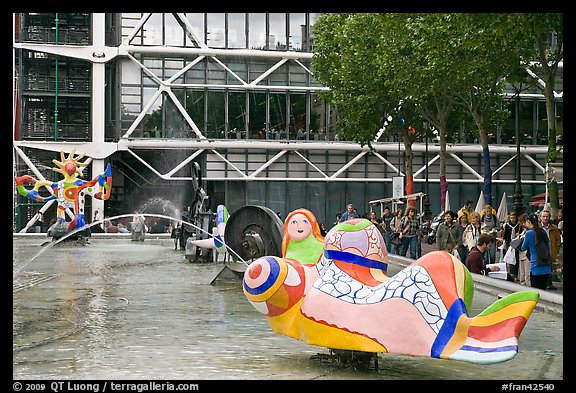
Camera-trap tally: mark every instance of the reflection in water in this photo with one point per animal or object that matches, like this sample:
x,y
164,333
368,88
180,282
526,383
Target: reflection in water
x,y
50,244
118,310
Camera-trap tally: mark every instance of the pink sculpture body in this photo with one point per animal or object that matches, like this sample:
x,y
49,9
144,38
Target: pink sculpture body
x,y
347,301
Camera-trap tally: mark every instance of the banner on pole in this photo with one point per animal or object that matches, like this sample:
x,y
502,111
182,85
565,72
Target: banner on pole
x,y
397,186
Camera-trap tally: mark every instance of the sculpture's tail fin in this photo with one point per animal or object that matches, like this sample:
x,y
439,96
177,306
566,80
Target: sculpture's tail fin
x,y
492,336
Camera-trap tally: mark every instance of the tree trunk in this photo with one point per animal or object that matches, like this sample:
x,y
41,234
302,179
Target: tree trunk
x,y
485,157
551,156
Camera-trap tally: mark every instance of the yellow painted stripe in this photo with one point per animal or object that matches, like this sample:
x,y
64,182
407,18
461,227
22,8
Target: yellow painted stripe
x,y
277,284
459,276
459,337
513,310
280,298
379,275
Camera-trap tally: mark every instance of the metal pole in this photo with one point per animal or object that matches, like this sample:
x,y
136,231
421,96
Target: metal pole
x,y
398,153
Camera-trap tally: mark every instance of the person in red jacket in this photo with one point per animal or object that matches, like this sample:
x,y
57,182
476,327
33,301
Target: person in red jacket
x,y
474,261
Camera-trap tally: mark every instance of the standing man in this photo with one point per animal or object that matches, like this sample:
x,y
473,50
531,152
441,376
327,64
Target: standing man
x,y
555,238
38,225
348,214
395,226
510,230
138,227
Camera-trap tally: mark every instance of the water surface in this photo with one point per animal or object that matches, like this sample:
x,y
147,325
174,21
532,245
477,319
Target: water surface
x,y
116,309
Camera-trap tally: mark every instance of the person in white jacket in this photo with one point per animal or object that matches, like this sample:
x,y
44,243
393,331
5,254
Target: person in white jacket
x,y
472,231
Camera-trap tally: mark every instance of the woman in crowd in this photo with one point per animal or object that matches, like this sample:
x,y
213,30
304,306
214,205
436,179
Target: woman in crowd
x,y
523,260
447,235
539,274
489,225
462,224
409,232
377,222
472,231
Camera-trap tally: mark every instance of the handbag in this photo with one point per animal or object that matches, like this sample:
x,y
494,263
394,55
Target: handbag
x,y
395,238
516,243
510,256
456,253
542,254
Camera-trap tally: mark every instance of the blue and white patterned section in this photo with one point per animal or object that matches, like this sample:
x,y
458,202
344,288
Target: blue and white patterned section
x,y
412,283
322,265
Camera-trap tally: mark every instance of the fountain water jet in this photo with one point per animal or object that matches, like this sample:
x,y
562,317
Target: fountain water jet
x,y
75,231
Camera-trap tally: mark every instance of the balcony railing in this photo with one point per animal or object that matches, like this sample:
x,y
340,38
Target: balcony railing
x,y
45,131
47,35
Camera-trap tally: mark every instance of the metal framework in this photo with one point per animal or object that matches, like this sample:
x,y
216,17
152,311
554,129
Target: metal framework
x,y
216,150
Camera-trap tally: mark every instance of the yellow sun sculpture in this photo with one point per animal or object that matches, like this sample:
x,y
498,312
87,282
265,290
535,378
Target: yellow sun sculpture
x,y
71,191
69,166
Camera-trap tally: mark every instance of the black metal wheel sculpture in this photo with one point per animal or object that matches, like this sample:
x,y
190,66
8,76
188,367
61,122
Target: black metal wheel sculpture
x,y
254,231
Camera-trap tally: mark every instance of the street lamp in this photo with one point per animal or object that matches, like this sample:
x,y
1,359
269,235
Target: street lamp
x,y
427,212
518,196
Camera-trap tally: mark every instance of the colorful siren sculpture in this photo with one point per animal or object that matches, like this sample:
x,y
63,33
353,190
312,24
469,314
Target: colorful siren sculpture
x,y
346,301
71,191
216,242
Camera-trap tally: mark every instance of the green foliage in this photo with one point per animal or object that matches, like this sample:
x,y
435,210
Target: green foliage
x,y
371,62
345,59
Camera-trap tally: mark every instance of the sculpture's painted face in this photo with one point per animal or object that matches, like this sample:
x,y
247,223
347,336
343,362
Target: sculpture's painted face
x,y
299,228
70,168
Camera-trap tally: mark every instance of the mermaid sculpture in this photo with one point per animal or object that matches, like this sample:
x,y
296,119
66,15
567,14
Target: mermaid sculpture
x,y
346,301
216,242
302,238
69,192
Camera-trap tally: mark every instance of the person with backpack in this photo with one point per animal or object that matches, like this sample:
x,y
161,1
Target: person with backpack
x,y
536,242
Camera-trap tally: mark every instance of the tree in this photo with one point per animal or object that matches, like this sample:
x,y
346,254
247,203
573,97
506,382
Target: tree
x,y
423,72
547,33
344,60
431,62
348,60
489,51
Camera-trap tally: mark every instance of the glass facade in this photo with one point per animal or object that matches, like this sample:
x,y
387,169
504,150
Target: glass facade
x,y
226,76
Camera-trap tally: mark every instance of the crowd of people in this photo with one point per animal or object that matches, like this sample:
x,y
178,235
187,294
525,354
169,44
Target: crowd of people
x,y
472,237
480,241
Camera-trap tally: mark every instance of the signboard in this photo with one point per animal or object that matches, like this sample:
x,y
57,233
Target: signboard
x,y
397,186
